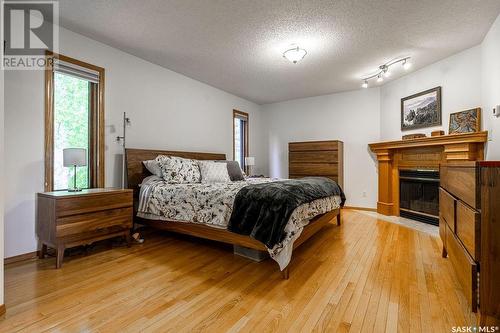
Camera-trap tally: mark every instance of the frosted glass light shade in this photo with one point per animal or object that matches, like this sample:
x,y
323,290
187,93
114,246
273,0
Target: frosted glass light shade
x,y
295,55
74,157
249,161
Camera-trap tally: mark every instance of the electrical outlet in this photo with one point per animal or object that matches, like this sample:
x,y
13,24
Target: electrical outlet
x,y
364,194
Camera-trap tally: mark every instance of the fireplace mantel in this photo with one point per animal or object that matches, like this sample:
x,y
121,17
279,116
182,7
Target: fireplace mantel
x,y
421,153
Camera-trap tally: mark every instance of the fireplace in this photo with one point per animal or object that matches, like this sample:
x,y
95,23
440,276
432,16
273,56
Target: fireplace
x,y
419,195
423,153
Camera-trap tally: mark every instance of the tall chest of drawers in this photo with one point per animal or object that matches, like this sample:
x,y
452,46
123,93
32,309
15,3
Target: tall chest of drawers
x,y
317,159
469,227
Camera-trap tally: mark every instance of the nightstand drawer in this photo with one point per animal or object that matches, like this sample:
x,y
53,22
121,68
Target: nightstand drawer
x,y
83,223
86,204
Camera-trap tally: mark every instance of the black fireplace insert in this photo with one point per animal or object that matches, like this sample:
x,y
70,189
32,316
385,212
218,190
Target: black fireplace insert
x,y
419,195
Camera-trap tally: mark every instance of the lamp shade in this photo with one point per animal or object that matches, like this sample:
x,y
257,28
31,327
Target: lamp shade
x,y
74,157
249,161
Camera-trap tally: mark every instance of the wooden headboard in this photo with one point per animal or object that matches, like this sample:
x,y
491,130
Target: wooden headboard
x,y
317,158
136,171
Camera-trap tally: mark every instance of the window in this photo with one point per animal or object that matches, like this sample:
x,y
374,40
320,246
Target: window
x,y
240,137
74,118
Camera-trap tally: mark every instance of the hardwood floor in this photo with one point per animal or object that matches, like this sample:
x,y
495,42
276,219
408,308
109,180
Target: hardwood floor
x,y
366,276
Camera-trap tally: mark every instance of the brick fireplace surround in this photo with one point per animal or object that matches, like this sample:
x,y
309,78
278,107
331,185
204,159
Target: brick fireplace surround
x,y
423,153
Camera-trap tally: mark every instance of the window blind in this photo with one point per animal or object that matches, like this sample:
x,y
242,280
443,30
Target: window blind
x,y
240,116
76,71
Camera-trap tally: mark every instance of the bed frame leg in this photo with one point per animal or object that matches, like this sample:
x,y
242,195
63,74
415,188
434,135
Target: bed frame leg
x,y
338,219
285,273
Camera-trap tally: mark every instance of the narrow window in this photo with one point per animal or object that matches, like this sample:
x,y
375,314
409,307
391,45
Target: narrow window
x,y
240,137
74,118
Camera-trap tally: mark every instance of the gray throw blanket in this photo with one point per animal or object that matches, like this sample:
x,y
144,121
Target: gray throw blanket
x,y
262,211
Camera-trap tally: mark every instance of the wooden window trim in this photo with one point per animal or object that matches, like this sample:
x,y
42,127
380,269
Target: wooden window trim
x,y
96,145
237,113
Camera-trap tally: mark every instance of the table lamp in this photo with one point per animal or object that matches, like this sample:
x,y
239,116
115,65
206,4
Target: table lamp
x,y
74,157
250,162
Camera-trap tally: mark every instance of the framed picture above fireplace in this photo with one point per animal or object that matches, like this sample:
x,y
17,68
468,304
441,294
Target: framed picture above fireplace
x,y
421,110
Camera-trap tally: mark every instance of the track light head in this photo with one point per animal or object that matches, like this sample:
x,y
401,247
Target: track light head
x,y
380,78
406,64
365,84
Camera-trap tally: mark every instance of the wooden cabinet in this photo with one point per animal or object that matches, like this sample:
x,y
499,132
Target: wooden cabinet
x,y
67,219
470,231
317,158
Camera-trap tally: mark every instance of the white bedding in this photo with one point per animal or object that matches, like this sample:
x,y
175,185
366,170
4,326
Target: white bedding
x,y
211,204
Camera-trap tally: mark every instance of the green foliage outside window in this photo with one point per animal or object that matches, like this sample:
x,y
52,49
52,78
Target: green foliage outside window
x,y
71,127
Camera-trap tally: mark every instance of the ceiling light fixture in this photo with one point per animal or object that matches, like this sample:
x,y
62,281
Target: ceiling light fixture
x,y
295,54
383,70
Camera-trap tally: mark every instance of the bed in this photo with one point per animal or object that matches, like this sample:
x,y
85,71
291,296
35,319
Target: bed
x,y
137,173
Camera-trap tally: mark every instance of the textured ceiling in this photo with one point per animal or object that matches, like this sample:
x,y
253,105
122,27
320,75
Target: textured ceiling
x,y
237,45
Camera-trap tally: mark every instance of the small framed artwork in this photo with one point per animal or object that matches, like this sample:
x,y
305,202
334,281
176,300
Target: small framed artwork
x,y
467,121
421,110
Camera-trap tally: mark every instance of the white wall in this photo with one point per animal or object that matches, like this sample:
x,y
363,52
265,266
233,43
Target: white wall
x,y
171,111
352,117
460,79
167,110
2,134
365,116
491,87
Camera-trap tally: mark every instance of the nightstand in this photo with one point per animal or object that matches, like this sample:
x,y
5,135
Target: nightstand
x,y
67,219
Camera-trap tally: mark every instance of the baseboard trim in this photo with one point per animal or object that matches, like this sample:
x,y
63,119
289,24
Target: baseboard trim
x,y
361,208
2,309
21,257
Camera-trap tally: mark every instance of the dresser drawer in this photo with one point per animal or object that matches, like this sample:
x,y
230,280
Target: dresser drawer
x,y
447,204
313,156
95,221
442,230
465,268
462,182
468,229
314,169
86,204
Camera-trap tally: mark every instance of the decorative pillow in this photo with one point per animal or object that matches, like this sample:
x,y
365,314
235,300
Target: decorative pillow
x,y
212,172
234,170
153,167
178,170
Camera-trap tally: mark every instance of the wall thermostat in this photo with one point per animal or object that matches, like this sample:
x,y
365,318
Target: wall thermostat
x,y
496,111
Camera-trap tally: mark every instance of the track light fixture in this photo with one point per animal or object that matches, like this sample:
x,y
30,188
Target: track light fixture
x,y
383,70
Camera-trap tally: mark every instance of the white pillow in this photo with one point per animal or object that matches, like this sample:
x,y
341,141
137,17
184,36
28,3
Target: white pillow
x,y
213,172
178,170
153,167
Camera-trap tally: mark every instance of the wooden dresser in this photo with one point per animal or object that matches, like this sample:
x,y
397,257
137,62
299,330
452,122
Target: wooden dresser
x,y
67,219
469,226
317,158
